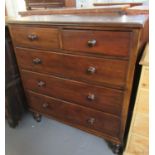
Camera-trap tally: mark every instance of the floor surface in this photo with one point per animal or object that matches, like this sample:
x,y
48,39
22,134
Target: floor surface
x,y
50,137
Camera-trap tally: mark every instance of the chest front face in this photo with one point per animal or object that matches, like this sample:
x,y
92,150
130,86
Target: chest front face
x,y
79,75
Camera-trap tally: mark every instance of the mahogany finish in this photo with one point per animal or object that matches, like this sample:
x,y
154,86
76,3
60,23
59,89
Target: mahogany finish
x,y
81,40
105,99
84,22
75,114
72,9
119,3
70,3
136,10
43,4
81,69
87,68
43,38
31,4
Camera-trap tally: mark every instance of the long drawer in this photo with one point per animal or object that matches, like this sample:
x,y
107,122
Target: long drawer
x,y
114,43
75,114
35,37
101,98
83,68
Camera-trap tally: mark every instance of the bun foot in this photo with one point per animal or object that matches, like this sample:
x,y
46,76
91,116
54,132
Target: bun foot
x,y
117,149
37,116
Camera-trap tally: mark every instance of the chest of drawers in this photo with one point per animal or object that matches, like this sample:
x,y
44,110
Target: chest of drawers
x,y
80,69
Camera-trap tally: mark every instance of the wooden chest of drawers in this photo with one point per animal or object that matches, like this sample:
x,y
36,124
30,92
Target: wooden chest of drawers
x,y
80,69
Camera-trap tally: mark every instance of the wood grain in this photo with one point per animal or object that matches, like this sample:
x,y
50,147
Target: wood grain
x,y
138,137
75,114
107,46
121,22
138,145
141,125
77,40
107,100
107,71
145,80
118,3
108,10
47,38
143,100
33,4
70,3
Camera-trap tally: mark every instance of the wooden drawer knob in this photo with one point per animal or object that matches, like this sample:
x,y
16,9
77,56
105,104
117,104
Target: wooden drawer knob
x,y
91,43
91,70
91,121
32,37
91,97
37,61
41,83
45,105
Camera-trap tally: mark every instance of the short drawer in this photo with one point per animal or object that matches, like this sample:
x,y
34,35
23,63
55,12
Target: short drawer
x,y
114,43
75,114
82,68
35,37
101,98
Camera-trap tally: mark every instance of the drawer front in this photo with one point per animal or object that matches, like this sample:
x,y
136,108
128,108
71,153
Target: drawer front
x,y
75,114
83,68
104,99
35,37
102,42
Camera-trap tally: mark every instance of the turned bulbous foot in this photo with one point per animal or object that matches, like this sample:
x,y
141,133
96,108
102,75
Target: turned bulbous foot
x,y
37,116
117,149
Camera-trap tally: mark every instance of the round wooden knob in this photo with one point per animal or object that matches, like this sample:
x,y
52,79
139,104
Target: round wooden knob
x,y
36,61
91,43
32,37
91,97
91,121
41,83
91,70
45,105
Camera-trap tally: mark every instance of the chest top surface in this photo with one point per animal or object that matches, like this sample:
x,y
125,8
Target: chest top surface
x,y
136,21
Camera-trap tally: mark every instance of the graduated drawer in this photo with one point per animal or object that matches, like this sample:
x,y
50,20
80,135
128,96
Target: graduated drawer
x,y
83,68
35,37
74,114
104,99
115,43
